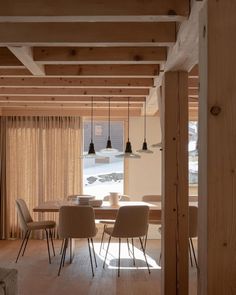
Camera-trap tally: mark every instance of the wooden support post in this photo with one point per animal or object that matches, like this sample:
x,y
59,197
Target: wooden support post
x,y
217,149
175,184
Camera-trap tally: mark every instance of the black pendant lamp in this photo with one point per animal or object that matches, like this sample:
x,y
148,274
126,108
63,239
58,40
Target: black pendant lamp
x,y
91,151
128,149
109,150
144,148
157,145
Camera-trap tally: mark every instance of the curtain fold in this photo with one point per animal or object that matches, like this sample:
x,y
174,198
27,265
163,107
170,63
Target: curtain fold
x,y
42,163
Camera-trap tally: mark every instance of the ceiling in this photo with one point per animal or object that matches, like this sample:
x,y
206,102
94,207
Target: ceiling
x,y
55,58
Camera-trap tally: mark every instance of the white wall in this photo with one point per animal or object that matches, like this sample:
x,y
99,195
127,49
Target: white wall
x,y
143,175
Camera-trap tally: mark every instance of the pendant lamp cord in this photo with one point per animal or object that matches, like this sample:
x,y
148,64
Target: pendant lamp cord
x,y
128,118
92,119
145,118
109,118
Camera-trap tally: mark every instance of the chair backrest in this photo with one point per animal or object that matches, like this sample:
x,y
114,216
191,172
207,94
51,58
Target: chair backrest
x,y
122,198
76,222
131,221
23,214
193,212
151,198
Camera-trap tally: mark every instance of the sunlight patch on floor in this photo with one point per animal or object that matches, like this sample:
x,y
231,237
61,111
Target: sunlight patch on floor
x,y
126,257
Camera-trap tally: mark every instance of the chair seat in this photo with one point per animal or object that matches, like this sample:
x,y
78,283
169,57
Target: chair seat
x,y
41,224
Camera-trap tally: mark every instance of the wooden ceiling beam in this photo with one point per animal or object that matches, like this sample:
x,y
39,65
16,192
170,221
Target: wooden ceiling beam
x,y
113,100
103,70
66,111
44,82
7,58
99,55
68,104
88,34
5,91
9,72
79,10
25,56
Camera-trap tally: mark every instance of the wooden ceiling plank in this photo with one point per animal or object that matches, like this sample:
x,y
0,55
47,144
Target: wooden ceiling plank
x,y
103,70
115,99
4,91
87,34
65,111
99,55
67,104
76,82
77,10
25,56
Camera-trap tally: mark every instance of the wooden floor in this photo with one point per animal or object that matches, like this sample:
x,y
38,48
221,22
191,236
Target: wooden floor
x,y
37,276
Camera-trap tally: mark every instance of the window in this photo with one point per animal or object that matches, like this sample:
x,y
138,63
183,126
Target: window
x,y
102,176
193,156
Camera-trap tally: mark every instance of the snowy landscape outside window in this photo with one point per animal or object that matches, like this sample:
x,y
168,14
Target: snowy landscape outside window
x,y
193,153
102,176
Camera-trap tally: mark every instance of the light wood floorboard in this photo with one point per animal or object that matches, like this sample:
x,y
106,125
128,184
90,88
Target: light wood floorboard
x,y
37,276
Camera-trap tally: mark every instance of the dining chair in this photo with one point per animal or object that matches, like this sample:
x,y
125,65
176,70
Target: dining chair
x,y
150,199
131,222
123,198
193,213
27,225
77,222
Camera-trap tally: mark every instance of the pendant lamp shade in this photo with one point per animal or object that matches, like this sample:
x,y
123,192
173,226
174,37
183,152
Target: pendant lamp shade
x,y
91,151
109,150
128,148
144,148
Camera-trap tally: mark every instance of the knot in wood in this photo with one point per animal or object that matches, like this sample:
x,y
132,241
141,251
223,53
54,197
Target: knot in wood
x,y
215,110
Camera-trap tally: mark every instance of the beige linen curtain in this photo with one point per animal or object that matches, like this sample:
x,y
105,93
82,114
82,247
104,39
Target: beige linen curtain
x,y
42,163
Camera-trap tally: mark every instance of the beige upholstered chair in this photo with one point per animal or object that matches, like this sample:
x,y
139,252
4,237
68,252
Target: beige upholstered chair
x,y
123,198
77,222
150,199
27,225
193,212
131,222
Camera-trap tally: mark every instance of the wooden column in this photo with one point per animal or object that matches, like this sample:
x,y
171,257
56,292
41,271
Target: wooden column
x,y
217,149
175,184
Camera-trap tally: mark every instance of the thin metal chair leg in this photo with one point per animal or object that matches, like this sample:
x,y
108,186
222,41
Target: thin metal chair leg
x,y
62,246
145,242
144,254
90,258
106,252
70,245
66,246
26,242
104,227
21,246
94,253
159,262
190,253
128,247
49,256
133,251
53,249
62,257
194,255
119,259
